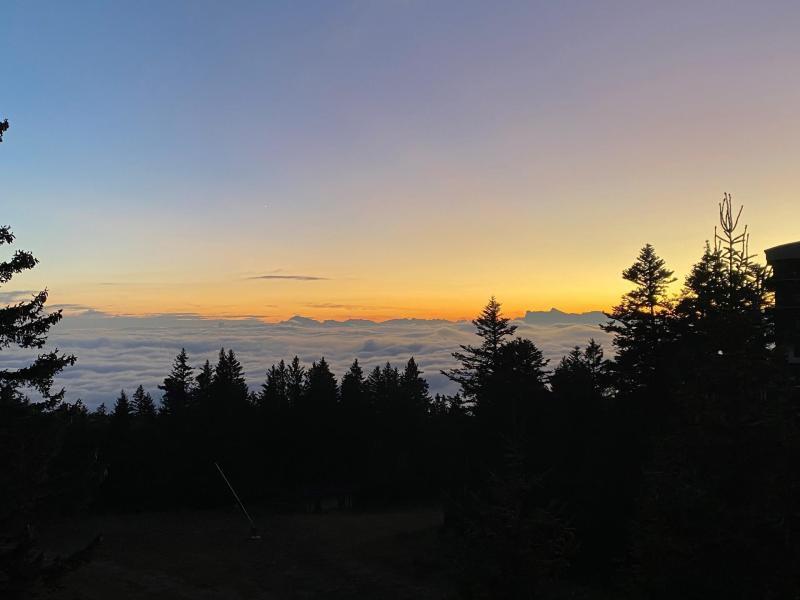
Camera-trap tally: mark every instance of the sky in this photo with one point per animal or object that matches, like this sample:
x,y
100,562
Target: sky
x,y
386,159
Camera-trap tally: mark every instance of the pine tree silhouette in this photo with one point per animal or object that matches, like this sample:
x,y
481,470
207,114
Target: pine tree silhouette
x,y
142,405
641,322
34,469
178,386
479,362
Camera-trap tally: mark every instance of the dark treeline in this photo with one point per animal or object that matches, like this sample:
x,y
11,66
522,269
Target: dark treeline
x,y
666,470
303,440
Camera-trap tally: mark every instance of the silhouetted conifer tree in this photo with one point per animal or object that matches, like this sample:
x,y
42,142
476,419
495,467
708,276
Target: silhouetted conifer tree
x,y
321,389
274,391
121,415
204,379
723,316
717,516
142,405
594,360
508,400
640,323
178,386
580,372
373,386
388,389
356,425
228,383
25,324
414,389
295,383
352,388
32,432
479,362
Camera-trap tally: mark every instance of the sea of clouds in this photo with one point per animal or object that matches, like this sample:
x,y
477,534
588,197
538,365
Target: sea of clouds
x,y
119,352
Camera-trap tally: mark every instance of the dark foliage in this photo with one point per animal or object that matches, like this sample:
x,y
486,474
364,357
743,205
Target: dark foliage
x,y
44,467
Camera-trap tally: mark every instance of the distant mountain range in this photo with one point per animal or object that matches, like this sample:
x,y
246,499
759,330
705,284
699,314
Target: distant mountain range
x,y
555,316
534,317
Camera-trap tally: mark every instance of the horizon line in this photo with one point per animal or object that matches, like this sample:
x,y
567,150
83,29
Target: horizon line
x,y
267,319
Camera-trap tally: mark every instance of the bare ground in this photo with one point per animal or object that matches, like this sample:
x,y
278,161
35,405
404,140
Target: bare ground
x,y
204,555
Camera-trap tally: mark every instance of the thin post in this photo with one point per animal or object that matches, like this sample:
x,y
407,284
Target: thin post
x,y
235,495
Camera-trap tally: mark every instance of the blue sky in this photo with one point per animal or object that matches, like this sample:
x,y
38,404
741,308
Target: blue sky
x,y
415,157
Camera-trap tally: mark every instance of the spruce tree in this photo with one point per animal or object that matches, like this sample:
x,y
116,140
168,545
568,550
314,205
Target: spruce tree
x,y
296,377
25,324
717,511
373,386
479,362
580,371
121,415
352,387
571,372
515,387
32,431
594,359
355,424
228,382
723,315
640,322
414,390
142,405
274,391
321,390
204,381
177,386
389,386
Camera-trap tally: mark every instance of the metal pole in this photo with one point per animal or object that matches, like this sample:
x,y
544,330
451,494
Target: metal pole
x,y
235,495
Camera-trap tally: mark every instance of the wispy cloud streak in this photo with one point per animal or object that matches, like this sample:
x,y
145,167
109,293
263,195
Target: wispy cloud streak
x,y
294,277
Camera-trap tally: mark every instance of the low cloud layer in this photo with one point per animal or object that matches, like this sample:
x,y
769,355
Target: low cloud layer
x,y
116,352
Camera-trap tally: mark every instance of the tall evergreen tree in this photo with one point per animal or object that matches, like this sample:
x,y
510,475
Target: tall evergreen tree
x,y
142,405
32,432
373,386
717,513
25,325
296,377
517,383
594,359
355,418
414,390
383,385
580,371
352,387
640,323
177,386
274,391
479,362
228,383
121,415
204,379
723,315
321,389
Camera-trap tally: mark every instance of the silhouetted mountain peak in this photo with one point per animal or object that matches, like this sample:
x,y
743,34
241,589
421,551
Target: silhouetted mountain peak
x,y
554,315
300,320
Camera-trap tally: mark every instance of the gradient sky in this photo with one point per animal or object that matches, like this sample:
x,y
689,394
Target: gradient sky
x,y
387,158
